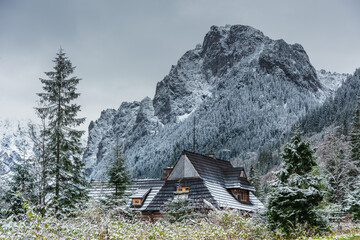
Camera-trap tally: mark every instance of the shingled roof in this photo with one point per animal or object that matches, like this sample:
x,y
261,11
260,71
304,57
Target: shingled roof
x,y
198,192
218,170
210,180
232,179
150,186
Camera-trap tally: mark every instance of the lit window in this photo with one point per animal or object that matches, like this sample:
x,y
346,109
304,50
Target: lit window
x,y
183,189
136,201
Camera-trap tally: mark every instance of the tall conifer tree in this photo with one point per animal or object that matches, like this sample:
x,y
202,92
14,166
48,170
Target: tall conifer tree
x,y
64,147
117,172
295,192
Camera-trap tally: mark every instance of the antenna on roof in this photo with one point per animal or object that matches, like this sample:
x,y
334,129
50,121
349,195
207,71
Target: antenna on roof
x,y
227,150
194,136
117,154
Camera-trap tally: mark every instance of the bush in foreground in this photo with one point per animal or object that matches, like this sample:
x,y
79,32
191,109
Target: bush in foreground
x,y
95,223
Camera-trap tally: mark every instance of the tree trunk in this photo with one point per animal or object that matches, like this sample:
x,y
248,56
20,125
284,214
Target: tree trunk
x,y
57,178
43,174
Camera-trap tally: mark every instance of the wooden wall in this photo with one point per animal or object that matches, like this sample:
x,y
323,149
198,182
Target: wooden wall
x,y
151,216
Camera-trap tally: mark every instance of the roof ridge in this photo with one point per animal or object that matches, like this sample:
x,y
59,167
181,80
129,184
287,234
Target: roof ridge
x,y
141,179
204,155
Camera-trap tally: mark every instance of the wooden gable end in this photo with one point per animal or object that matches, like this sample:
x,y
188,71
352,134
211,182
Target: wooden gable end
x,y
243,174
183,169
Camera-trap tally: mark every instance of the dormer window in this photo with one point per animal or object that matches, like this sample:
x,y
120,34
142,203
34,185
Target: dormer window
x,y
182,189
241,195
139,197
136,201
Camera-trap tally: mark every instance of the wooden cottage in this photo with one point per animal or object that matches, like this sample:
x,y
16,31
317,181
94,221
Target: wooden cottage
x,y
205,180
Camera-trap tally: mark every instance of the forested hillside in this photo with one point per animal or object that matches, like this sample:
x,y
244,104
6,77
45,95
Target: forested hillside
x,y
337,110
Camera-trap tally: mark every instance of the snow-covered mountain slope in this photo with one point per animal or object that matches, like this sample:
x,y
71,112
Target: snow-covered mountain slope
x,y
244,89
330,82
15,142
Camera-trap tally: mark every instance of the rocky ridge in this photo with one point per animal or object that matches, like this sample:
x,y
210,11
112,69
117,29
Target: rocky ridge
x,y
245,90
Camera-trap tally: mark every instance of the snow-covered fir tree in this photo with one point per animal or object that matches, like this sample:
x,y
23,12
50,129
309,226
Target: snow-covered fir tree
x,y
295,192
64,147
117,172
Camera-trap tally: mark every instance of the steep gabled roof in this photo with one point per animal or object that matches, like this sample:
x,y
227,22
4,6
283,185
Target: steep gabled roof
x,y
219,171
208,168
209,179
219,175
183,169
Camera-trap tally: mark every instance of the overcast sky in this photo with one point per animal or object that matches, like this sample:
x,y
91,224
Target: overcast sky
x,y
123,48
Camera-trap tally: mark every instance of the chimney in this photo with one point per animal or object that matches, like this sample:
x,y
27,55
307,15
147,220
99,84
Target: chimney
x,y
212,155
166,173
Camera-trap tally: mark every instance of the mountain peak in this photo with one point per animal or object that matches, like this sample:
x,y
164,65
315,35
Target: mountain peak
x,y
229,51
244,88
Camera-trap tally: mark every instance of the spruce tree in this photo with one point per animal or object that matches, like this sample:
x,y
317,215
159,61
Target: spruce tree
x,y
295,192
117,172
64,147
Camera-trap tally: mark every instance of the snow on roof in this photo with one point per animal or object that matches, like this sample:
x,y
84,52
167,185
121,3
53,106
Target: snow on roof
x,y
141,193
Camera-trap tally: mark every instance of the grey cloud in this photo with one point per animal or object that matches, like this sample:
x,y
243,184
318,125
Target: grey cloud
x,y
122,48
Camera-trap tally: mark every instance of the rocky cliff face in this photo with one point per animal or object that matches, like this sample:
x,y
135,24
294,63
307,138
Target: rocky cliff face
x,y
244,89
331,81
